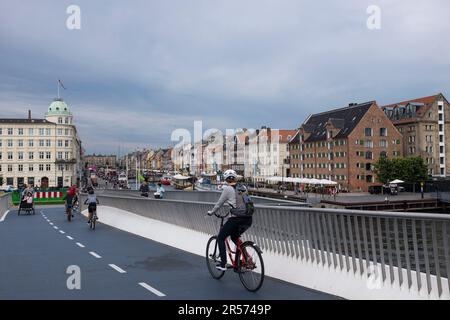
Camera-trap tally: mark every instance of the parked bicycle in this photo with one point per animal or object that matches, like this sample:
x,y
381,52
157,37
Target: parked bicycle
x,y
246,260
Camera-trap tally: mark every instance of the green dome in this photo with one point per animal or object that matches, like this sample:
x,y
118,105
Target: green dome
x,y
58,107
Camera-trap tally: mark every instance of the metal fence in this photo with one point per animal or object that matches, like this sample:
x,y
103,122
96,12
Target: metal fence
x,y
411,248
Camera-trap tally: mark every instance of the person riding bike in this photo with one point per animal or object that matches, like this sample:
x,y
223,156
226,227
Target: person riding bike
x,y
159,194
92,202
70,195
237,223
144,188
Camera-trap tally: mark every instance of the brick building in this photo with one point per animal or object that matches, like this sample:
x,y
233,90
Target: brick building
x,y
425,125
343,145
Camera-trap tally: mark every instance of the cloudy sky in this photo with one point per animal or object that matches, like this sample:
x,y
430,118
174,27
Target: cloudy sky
x,y
137,70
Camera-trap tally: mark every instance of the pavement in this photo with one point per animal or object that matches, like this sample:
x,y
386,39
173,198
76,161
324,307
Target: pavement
x,y
39,253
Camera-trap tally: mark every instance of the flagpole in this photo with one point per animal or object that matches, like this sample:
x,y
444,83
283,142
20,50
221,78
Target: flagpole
x,y
57,85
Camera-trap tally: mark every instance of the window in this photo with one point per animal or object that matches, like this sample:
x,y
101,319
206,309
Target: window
x,y
20,155
60,132
1,143
441,118
30,155
10,155
1,131
369,179
428,138
66,155
41,155
369,155
48,167
412,150
31,143
41,167
48,132
10,131
48,155
30,131
66,120
383,143
41,142
66,144
10,167
60,120
41,131
441,138
441,160
48,143
60,155
60,143
1,156
441,149
441,127
10,143
368,144
20,167
20,143
20,131
440,107
442,171
383,132
383,154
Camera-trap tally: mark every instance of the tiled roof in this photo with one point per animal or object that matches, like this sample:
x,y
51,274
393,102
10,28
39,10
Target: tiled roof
x,y
345,119
422,105
424,100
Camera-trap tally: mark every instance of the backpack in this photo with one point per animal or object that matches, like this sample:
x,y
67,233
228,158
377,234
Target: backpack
x,y
244,205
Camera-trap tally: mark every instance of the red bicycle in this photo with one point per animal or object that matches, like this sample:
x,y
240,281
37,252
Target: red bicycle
x,y
247,261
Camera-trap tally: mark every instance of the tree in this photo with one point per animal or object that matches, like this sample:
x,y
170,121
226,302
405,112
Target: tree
x,y
410,169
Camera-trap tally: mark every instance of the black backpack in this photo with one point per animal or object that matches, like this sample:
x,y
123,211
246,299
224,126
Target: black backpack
x,y
244,205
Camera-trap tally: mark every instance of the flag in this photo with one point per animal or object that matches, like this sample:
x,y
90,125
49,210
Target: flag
x,y
60,82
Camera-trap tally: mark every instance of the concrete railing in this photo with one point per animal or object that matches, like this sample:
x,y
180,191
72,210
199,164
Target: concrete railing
x,y
408,252
4,203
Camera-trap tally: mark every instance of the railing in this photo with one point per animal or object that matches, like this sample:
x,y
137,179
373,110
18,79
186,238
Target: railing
x,y
4,203
410,250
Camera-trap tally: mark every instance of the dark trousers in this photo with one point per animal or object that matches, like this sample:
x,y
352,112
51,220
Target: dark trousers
x,y
233,228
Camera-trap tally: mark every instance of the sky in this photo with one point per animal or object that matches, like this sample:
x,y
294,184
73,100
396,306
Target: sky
x,y
137,70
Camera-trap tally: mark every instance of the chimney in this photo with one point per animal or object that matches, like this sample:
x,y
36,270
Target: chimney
x,y
29,114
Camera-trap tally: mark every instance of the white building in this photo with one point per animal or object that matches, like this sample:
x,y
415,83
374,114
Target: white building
x,y
40,152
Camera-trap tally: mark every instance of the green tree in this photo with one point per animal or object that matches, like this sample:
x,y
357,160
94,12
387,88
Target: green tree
x,y
383,170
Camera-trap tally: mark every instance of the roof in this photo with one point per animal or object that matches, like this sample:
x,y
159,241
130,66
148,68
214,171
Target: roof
x,y
25,121
422,105
295,138
282,135
344,119
58,107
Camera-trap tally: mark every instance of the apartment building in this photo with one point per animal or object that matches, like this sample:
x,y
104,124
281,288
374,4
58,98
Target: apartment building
x,y
425,126
40,152
343,144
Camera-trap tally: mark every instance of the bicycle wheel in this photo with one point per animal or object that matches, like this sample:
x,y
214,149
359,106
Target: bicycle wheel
x,y
251,266
213,258
94,219
69,215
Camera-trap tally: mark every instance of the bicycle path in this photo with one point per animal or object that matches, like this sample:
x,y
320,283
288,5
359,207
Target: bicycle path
x,y
37,250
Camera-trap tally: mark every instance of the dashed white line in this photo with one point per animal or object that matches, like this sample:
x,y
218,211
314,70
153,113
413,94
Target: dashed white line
x,y
153,290
92,253
69,237
4,216
51,223
118,269
60,231
55,227
80,245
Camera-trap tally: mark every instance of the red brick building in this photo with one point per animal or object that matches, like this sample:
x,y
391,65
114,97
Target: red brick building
x,y
343,145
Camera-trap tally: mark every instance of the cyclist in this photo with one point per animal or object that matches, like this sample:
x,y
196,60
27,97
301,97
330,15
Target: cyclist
x,y
70,195
144,188
159,194
92,202
236,224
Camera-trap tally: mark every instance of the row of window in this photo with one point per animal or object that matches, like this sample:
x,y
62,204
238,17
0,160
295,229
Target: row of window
x,y
31,143
321,144
31,155
31,167
337,177
369,143
33,131
368,178
368,132
320,165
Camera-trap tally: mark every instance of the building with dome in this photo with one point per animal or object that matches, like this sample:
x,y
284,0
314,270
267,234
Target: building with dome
x,y
40,152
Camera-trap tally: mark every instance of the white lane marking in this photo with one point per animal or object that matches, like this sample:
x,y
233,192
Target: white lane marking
x,y
92,253
51,223
4,216
153,290
69,237
60,231
55,227
120,270
80,245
